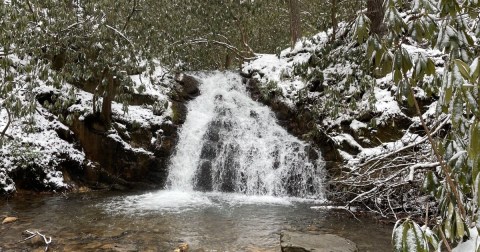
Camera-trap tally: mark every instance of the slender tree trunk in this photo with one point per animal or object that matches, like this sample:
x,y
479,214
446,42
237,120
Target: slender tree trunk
x,y
295,26
109,94
334,19
375,13
9,120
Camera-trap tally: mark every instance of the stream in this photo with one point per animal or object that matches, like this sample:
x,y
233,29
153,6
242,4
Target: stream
x,y
236,180
159,221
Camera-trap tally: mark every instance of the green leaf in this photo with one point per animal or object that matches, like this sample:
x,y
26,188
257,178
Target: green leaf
x,y
448,94
397,76
448,221
477,189
459,224
371,48
430,67
475,69
463,68
406,61
474,148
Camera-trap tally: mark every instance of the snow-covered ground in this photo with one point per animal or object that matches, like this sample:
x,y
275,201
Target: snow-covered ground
x,y
41,148
381,100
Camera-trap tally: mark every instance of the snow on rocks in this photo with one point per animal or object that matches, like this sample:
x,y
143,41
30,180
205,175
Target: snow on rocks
x,y
39,151
386,105
279,70
270,69
41,147
357,125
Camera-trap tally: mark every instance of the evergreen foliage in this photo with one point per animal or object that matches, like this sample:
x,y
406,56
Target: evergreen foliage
x,y
449,26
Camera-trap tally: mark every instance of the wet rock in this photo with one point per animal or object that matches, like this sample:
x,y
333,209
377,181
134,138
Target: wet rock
x,y
183,247
118,163
299,242
118,247
204,177
179,112
297,121
189,86
36,242
7,220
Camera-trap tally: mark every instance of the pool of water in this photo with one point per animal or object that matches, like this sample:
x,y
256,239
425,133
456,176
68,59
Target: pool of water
x,y
160,220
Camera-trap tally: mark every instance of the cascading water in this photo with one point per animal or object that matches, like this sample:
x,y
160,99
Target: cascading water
x,y
230,183
230,143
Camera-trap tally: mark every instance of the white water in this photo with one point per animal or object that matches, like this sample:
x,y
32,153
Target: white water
x,y
230,143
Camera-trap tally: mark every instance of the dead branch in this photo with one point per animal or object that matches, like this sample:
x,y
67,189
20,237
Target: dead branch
x,y
9,120
46,240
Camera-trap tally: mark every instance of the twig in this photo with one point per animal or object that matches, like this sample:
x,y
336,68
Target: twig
x,y
445,241
30,8
362,194
134,9
119,33
391,208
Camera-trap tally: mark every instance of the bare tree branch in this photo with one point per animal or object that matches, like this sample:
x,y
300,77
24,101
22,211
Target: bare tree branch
x,y
134,9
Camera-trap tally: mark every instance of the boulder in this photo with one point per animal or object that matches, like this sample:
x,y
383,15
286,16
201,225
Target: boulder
x,y
301,242
189,86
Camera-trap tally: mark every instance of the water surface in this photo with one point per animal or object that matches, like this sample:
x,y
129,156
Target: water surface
x,y
159,221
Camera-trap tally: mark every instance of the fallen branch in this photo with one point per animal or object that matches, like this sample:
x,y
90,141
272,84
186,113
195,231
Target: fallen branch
x,y
424,139
36,233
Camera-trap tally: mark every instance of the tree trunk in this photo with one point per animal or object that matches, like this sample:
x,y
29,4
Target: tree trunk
x,y
9,120
334,19
295,26
375,13
109,94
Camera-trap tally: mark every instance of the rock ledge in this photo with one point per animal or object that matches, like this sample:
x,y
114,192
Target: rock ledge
x,y
301,242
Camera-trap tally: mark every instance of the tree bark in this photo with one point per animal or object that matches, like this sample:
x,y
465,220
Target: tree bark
x,y
108,96
375,13
334,19
295,26
9,120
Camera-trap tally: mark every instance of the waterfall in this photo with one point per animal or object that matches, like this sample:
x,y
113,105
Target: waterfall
x,y
231,143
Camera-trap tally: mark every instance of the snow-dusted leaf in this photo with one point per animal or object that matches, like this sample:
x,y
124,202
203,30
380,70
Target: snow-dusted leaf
x,y
463,68
460,230
475,70
361,28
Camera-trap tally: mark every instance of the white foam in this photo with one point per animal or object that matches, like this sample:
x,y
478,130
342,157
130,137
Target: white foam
x,y
180,201
165,201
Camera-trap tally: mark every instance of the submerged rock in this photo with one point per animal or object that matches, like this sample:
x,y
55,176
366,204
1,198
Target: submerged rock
x,y
9,220
300,242
183,247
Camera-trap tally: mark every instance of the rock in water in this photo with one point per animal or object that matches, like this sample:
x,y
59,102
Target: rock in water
x,y
300,242
9,220
183,247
